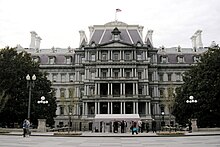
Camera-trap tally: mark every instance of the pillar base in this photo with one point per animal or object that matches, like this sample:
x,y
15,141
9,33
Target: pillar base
x,y
41,125
194,125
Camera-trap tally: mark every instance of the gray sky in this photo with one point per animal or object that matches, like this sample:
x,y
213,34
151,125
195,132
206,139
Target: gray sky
x,y
58,22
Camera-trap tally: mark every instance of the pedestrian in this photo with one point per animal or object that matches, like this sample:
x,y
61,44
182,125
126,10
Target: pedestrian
x,y
134,128
28,127
123,126
147,126
115,126
140,126
154,125
24,128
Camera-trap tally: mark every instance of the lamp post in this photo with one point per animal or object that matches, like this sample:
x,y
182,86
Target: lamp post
x,y
30,85
191,100
42,101
163,123
69,122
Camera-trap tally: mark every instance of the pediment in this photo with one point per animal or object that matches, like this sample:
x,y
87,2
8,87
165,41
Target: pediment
x,y
116,44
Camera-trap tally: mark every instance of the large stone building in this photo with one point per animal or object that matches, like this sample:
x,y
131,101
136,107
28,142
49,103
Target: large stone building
x,y
114,75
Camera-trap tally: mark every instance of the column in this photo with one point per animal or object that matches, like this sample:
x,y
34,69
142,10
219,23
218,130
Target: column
x,y
99,89
108,108
111,72
147,89
120,55
134,89
120,72
146,108
86,110
149,108
98,107
111,107
111,55
132,72
95,108
135,72
136,107
83,109
96,89
111,89
133,107
124,108
121,109
121,89
108,89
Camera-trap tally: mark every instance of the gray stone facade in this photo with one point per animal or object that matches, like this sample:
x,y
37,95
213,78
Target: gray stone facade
x,y
114,72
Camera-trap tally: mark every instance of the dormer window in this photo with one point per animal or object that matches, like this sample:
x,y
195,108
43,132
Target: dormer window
x,y
68,60
52,60
163,59
180,59
36,59
115,34
196,59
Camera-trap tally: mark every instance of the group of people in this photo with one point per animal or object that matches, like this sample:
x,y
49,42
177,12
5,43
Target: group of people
x,y
139,126
26,127
116,125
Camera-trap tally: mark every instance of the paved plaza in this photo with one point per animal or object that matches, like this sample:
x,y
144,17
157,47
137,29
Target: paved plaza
x,y
48,141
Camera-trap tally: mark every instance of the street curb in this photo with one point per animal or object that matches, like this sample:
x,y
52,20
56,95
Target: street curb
x,y
124,136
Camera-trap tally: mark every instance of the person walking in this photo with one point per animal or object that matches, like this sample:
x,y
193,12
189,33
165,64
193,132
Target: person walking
x,y
24,128
154,125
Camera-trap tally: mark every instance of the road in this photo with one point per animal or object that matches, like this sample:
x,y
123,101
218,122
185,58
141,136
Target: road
x,y
44,141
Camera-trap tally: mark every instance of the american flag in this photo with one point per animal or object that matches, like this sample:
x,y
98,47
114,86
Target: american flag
x,y
118,10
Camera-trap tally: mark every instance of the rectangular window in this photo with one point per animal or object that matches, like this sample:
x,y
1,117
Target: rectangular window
x,y
161,92
127,56
63,78
161,77
151,91
71,77
61,110
93,57
71,92
104,74
115,57
169,77
150,76
54,77
62,93
178,77
139,75
127,74
116,74
104,56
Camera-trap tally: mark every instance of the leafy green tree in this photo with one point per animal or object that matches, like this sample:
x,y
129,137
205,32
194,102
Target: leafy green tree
x,y
14,67
202,82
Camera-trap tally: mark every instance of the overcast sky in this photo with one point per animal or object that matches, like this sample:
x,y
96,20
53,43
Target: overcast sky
x,y
58,22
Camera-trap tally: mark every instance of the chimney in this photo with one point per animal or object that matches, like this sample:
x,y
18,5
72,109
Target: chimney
x,y
38,39
149,36
198,39
91,30
33,38
193,38
82,37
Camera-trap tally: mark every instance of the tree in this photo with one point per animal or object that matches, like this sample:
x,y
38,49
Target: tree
x,y
169,101
14,92
202,82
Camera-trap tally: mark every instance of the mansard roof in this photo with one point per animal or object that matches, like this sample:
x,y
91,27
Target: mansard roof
x,y
103,33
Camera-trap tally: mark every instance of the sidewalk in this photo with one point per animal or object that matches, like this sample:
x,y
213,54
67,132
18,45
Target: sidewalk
x,y
90,134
